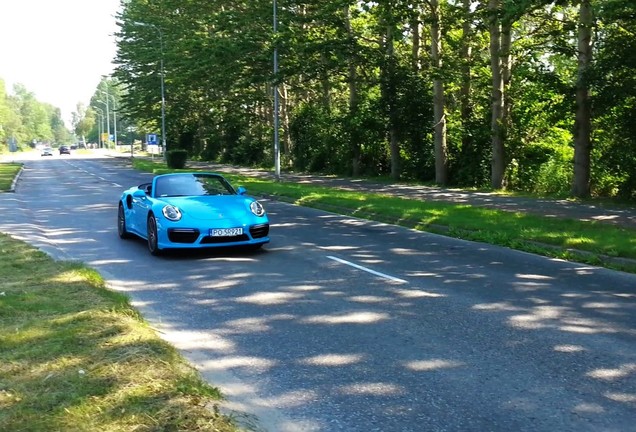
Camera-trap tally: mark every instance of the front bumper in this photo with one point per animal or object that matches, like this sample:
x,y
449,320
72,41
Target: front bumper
x,y
194,238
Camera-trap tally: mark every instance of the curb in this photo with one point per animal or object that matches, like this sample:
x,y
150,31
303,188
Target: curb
x,y
15,180
605,261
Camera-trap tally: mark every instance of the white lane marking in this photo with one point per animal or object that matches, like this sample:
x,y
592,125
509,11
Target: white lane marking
x,y
368,270
84,170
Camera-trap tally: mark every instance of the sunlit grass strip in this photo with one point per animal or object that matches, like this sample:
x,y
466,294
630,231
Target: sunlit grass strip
x,y
486,224
516,230
8,171
76,356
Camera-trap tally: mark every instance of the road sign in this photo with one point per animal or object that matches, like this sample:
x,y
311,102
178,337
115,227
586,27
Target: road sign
x,y
151,139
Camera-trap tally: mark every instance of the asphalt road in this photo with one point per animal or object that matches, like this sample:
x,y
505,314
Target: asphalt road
x,y
341,324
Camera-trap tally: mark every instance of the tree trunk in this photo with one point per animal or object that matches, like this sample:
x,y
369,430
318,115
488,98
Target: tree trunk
x,y
284,107
390,97
439,117
352,78
415,40
496,126
466,87
583,119
506,78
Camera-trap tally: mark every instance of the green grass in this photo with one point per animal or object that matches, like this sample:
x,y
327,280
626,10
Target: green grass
x,y
589,242
8,171
75,356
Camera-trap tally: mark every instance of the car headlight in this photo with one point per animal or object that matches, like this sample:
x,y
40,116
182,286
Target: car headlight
x,y
171,213
257,208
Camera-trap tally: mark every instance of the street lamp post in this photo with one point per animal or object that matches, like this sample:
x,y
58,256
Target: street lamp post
x,y
100,126
114,114
107,121
115,124
107,124
163,96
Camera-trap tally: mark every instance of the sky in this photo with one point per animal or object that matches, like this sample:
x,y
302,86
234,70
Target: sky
x,y
58,49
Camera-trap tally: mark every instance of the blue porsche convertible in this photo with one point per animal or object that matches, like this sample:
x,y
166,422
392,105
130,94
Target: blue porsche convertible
x,y
191,210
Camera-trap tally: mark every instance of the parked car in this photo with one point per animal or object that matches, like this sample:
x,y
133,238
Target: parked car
x,y
65,150
46,151
191,210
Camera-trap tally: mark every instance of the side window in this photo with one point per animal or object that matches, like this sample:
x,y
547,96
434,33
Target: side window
x,y
146,187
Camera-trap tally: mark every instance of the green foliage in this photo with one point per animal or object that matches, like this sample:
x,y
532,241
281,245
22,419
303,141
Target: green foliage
x,y
470,154
345,90
368,129
614,78
415,124
554,176
176,158
614,174
314,131
235,142
27,120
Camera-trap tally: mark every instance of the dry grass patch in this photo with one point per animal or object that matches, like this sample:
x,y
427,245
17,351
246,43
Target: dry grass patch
x,y
75,356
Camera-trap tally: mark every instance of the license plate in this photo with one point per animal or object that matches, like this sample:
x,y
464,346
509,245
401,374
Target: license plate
x,y
226,232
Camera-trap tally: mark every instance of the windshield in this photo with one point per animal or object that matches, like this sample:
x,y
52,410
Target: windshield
x,y
192,185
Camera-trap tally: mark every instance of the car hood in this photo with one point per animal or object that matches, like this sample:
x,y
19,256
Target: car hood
x,y
212,207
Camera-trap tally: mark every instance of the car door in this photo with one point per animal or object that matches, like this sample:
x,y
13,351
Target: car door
x,y
141,204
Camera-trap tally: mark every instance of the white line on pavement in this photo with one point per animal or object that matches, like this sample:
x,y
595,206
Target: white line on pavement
x,y
368,270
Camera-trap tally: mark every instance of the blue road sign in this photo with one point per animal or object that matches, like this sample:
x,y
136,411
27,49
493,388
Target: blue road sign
x,y
151,139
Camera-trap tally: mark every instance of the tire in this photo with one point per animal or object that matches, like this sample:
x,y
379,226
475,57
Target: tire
x,y
121,223
153,241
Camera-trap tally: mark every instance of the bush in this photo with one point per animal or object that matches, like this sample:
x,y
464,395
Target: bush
x,y
176,158
555,176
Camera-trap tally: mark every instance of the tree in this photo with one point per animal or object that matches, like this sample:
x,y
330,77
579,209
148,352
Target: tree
x,y
583,125
82,122
389,76
352,82
439,118
358,91
613,79
498,163
9,121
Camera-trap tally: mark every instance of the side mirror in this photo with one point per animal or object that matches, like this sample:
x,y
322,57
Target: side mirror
x,y
241,190
139,194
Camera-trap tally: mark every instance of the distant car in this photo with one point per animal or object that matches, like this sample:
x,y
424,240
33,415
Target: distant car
x,y
46,151
192,210
65,150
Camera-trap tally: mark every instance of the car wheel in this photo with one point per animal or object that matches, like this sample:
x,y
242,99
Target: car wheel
x,y
153,242
121,223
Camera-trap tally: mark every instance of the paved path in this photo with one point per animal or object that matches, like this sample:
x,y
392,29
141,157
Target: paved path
x,y
559,208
